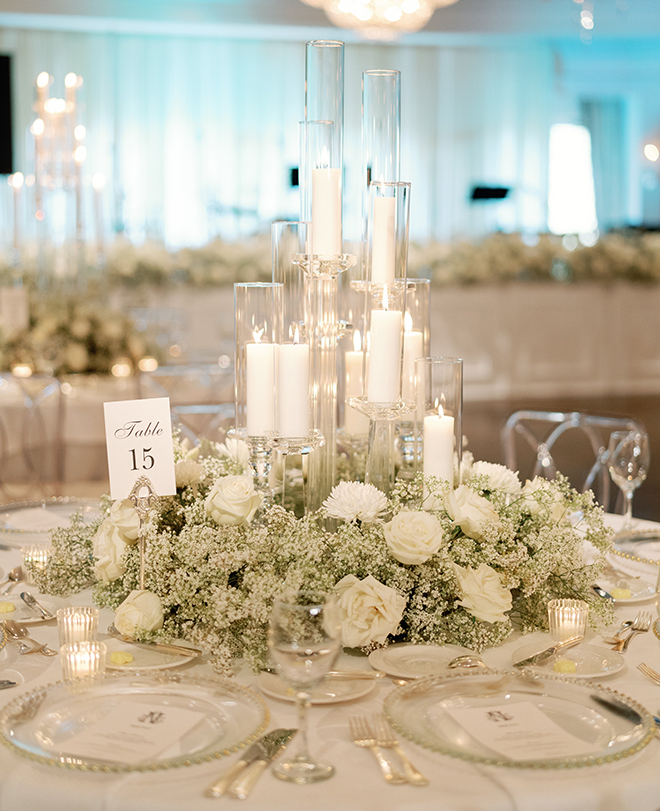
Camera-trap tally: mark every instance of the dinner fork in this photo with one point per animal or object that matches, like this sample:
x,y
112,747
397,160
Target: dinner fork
x,y
386,738
641,625
649,672
363,736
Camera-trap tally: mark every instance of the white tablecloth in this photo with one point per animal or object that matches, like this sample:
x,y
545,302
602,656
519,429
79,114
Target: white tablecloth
x,y
632,784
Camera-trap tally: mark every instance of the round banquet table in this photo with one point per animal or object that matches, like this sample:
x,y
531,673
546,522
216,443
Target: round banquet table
x,y
632,784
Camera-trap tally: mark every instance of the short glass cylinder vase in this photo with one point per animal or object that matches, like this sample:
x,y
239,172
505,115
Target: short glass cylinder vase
x,y
438,422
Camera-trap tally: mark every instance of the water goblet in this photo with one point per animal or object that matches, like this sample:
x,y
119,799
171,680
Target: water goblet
x,y
304,639
628,458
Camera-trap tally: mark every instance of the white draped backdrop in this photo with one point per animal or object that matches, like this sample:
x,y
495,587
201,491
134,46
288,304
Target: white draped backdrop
x,y
197,135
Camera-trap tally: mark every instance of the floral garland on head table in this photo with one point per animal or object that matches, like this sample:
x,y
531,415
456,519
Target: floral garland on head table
x,y
489,555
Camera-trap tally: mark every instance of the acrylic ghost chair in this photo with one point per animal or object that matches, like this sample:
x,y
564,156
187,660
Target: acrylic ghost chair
x,y
543,443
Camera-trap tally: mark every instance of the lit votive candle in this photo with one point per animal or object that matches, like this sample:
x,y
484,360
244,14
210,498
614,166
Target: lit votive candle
x,y
567,618
83,660
77,623
35,559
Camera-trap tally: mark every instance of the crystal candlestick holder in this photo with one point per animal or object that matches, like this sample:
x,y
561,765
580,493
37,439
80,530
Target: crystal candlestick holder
x,y
77,624
257,324
567,618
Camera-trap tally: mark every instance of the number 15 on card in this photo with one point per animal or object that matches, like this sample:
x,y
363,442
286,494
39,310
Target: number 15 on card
x,y
138,435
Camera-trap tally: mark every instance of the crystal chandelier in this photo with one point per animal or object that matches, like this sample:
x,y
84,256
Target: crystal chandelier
x,y
380,19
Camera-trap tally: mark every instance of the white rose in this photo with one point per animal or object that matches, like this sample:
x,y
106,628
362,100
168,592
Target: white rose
x,y
232,501
188,473
483,594
470,511
108,547
539,495
125,519
140,611
413,537
369,610
499,477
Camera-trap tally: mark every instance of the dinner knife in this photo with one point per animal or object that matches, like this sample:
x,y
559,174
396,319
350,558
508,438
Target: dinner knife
x,y
241,777
163,647
543,656
32,603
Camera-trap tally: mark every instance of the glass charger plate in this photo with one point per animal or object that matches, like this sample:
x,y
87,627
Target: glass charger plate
x,y
591,661
331,691
21,521
609,726
642,546
404,660
39,723
628,590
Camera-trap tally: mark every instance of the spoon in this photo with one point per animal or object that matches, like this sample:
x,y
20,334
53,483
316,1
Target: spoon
x,y
466,661
17,630
13,577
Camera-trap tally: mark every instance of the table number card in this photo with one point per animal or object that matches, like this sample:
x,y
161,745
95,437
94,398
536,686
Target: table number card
x,y
14,310
138,435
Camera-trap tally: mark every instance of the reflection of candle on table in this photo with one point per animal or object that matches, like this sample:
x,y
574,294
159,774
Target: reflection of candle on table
x,y
439,446
293,389
326,211
260,386
384,374
413,348
354,421
383,247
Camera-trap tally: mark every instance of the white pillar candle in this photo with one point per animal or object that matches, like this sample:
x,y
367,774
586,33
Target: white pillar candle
x,y
260,388
326,211
439,446
413,348
354,421
384,373
383,241
293,390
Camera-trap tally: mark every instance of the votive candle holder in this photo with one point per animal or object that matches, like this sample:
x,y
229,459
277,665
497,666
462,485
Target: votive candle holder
x,y
35,558
567,618
83,660
77,623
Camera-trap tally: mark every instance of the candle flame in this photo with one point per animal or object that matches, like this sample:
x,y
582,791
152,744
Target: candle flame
x,y
408,322
257,335
38,126
15,180
325,158
70,80
357,341
43,79
441,411
295,333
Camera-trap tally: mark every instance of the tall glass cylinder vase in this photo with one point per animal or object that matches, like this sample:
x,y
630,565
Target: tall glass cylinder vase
x,y
416,344
439,428
381,131
257,324
324,90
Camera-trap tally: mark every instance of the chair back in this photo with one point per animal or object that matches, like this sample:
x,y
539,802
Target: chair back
x,y
543,443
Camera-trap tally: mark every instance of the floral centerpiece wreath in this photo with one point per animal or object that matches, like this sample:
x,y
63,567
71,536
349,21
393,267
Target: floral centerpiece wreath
x,y
485,560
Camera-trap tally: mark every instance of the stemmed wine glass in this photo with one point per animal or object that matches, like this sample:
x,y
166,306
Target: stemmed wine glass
x,y
304,639
628,458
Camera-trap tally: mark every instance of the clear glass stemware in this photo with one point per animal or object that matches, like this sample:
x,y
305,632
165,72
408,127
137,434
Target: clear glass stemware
x,y
304,639
628,458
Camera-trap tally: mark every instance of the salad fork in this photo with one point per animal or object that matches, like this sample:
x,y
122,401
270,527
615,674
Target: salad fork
x,y
641,625
386,738
651,674
364,737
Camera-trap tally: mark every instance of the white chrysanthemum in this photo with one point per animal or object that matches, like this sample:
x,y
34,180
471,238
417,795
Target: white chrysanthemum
x,y
354,500
499,477
236,450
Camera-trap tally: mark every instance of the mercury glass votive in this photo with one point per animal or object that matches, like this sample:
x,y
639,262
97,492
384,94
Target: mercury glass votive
x,y
34,559
83,660
77,623
567,618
